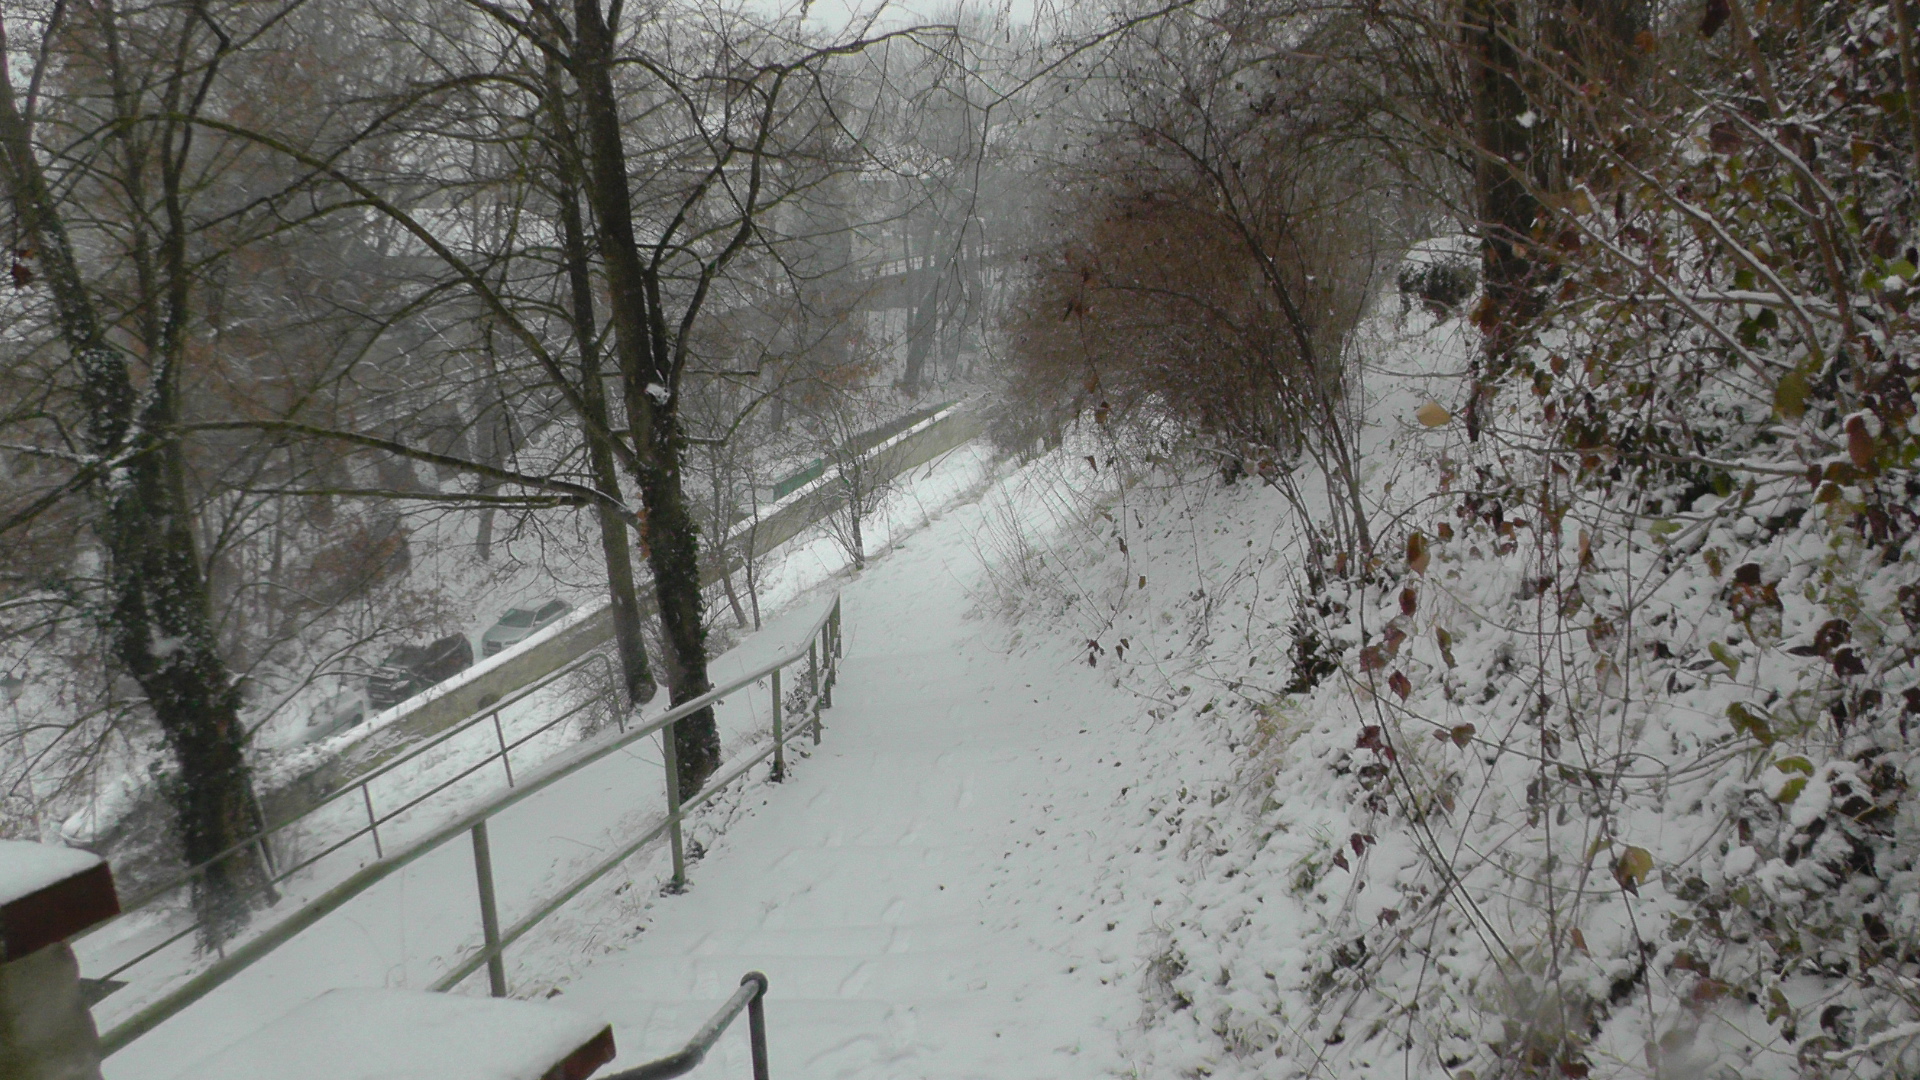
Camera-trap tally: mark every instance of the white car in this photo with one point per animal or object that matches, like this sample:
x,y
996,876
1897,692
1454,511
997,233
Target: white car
x,y
335,714
521,623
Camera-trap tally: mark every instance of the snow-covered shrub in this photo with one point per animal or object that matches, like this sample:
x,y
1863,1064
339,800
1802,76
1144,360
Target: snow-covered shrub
x,y
1603,765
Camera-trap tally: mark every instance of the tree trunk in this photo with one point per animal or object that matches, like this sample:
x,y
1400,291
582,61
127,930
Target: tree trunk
x,y
493,443
1505,205
923,323
722,560
750,554
673,554
859,542
623,597
669,534
622,593
158,619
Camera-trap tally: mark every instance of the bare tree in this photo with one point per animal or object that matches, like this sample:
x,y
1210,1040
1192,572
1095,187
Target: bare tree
x,y
124,451
1216,251
672,204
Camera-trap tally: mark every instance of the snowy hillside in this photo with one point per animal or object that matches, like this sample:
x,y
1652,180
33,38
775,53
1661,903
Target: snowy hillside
x,y
1551,784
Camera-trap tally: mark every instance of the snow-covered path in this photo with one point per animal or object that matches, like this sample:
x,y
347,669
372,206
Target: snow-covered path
x,y
918,892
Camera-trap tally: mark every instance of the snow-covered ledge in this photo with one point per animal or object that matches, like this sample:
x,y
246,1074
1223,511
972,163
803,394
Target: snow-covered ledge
x,y
380,1034
47,895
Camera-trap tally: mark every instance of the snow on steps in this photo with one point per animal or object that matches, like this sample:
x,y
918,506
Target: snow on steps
x,y
381,1034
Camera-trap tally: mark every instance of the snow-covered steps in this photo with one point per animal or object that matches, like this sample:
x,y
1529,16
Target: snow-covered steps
x,y
374,1034
911,892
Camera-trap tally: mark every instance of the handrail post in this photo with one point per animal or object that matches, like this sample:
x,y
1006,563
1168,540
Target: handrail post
x,y
501,736
826,685
813,680
489,914
826,649
670,757
757,1024
779,731
373,822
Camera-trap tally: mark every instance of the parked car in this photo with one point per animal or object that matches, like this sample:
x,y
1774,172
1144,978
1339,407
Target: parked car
x,y
336,713
521,623
409,669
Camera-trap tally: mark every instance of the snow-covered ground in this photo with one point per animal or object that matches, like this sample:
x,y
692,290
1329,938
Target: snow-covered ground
x,y
1080,810
971,876
416,924
920,894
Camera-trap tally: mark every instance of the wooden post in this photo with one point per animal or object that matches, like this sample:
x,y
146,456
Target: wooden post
x,y
47,895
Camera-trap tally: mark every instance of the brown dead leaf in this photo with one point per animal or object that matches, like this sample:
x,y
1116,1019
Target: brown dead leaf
x,y
1860,448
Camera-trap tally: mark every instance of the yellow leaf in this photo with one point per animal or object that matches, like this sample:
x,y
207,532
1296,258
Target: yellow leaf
x,y
1790,396
1744,720
1725,656
1432,414
1632,868
1574,202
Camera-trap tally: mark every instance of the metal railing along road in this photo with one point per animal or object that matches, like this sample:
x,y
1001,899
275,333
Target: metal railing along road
x,y
363,789
821,653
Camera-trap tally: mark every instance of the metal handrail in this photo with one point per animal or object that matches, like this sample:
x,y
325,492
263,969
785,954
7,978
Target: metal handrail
x,y
374,821
487,954
751,996
492,710
823,639
361,784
